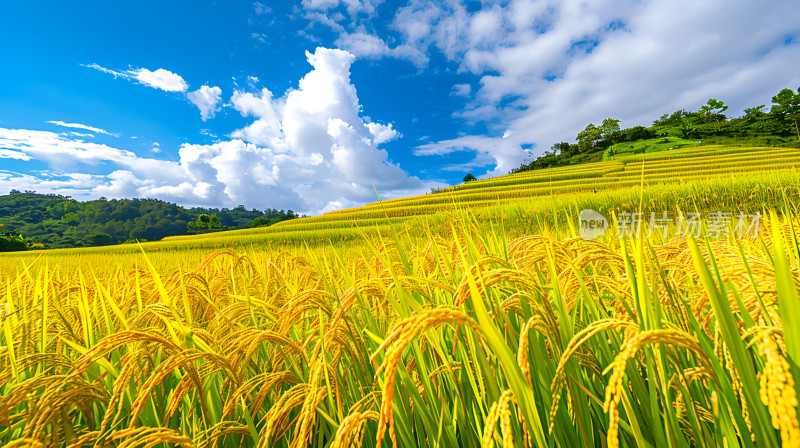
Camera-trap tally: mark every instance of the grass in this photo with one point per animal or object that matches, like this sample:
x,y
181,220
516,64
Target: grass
x,y
462,324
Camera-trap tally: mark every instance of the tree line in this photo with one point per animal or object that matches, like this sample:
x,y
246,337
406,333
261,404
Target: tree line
x,y
55,221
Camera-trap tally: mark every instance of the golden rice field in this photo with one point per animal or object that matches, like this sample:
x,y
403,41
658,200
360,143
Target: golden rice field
x,y
474,317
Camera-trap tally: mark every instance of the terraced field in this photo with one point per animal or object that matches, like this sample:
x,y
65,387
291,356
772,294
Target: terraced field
x,y
673,176
474,317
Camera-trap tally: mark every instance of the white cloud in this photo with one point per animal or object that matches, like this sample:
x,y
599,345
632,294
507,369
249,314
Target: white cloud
x,y
159,79
267,129
320,4
503,153
206,99
370,46
65,153
461,90
353,36
382,132
363,45
76,185
260,8
353,7
80,134
99,68
317,139
308,150
79,126
9,154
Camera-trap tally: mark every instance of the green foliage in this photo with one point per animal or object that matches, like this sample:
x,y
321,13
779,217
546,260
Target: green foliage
x,y
206,223
13,243
469,178
588,137
687,128
272,217
99,239
787,108
713,110
609,128
649,146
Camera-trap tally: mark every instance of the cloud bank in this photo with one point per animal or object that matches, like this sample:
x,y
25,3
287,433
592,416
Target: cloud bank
x,y
308,150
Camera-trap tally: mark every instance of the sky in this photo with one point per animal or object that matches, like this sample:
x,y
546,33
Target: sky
x,y
314,105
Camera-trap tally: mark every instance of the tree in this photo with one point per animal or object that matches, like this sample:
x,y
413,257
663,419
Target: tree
x,y
713,110
99,239
205,223
609,127
469,178
560,148
687,128
273,217
636,133
754,111
12,243
588,137
787,107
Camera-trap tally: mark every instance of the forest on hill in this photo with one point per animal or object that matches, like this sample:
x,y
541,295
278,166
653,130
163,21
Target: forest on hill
x,y
54,221
778,126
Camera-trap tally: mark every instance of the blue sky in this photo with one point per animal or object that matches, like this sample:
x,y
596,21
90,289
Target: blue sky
x,y
307,104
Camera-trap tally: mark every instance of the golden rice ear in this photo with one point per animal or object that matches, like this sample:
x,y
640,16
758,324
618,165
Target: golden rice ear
x,y
778,390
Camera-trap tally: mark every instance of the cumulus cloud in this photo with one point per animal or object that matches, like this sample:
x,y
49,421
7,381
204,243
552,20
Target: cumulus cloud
x,y
308,150
317,139
206,99
266,130
382,132
159,79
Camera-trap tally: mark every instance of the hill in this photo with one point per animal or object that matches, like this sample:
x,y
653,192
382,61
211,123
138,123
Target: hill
x,y
57,221
776,127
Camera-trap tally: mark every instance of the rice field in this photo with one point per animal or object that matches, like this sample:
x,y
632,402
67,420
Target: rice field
x,y
474,317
